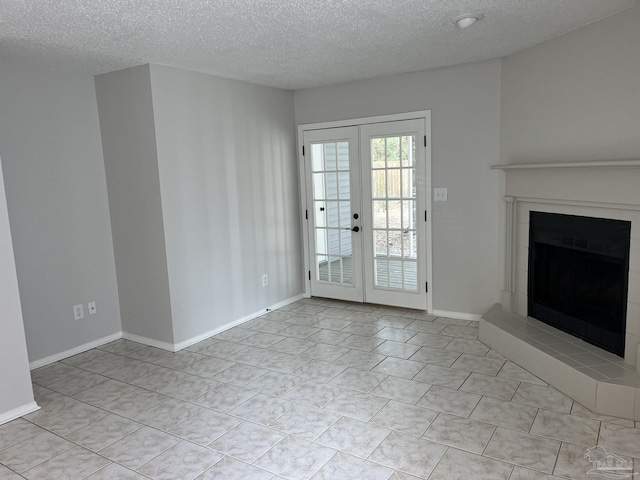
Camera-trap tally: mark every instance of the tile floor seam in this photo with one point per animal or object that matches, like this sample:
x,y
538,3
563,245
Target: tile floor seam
x,y
125,466
599,430
323,465
36,465
75,445
167,449
489,441
555,464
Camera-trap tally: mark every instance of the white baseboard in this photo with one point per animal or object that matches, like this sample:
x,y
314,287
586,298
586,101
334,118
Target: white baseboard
x,y
152,342
74,351
18,412
459,315
156,343
284,303
227,326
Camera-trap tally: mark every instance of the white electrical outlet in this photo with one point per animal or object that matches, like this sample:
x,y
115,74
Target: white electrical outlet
x,y
78,312
92,308
265,279
440,194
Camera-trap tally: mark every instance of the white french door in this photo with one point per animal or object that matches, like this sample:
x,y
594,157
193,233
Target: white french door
x,y
393,186
367,197
333,206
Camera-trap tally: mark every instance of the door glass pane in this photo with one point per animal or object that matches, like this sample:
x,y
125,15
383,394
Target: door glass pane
x,y
330,157
381,272
322,246
317,154
408,151
320,214
322,267
394,212
345,214
395,243
393,152
345,243
408,183
393,183
318,186
332,212
410,275
379,214
408,214
335,270
331,180
381,243
343,156
377,153
333,241
395,274
347,270
410,245
344,190
379,183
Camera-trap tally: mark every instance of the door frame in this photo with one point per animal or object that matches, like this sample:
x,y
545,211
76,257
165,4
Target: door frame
x,y
355,122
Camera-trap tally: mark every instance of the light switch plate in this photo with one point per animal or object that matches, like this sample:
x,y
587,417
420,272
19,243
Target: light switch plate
x,y
440,194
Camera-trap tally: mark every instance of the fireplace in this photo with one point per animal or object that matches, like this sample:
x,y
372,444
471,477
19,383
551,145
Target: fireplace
x,y
578,276
604,190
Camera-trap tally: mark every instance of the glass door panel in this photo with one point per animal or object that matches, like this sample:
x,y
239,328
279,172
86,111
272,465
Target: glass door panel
x,y
393,163
335,256
394,220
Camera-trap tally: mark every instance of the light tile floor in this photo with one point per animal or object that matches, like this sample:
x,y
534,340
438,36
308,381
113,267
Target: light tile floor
x,y
319,389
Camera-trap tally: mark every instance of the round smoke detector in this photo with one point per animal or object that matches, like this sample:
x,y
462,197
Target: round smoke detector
x,y
464,21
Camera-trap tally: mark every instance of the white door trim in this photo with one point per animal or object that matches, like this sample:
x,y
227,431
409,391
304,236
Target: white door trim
x,y
354,122
422,115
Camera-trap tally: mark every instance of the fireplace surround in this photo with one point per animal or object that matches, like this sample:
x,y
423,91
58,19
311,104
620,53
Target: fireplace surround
x,y
607,190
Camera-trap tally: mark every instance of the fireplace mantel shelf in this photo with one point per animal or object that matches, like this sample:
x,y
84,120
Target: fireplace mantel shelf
x,y
600,164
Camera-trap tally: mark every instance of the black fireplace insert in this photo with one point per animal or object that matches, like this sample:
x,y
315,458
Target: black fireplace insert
x,y
578,276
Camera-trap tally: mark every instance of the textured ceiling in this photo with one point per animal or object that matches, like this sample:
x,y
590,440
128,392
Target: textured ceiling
x,y
288,44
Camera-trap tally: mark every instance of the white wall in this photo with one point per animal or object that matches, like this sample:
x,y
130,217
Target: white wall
x,y
57,199
129,146
576,97
465,105
17,394
228,177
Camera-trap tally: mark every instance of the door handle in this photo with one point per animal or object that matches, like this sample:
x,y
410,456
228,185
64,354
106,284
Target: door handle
x,y
354,229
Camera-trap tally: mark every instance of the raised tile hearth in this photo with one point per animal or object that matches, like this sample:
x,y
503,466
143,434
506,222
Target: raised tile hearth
x,y
597,379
